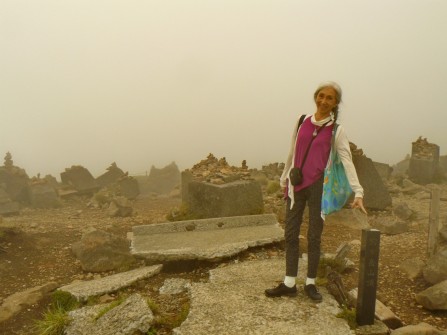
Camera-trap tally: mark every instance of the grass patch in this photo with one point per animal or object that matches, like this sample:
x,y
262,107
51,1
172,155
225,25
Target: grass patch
x,y
53,323
64,300
153,306
350,315
174,321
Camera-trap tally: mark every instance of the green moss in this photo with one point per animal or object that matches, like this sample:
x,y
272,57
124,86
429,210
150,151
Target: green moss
x,y
350,315
153,306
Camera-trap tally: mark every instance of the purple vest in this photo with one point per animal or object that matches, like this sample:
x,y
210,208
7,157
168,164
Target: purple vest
x,y
318,155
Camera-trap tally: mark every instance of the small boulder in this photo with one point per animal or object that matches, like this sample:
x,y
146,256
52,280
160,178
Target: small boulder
x,y
99,251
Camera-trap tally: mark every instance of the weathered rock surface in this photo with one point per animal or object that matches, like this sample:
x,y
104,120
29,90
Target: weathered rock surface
x,y
207,239
435,297
391,226
113,174
376,194
436,269
43,195
20,300
99,251
412,267
132,316
80,179
82,290
419,329
120,207
233,303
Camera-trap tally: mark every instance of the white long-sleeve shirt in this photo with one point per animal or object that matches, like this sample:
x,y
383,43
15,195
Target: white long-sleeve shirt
x,y
343,149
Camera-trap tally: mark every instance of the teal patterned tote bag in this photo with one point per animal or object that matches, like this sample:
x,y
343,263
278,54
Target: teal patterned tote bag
x,y
336,188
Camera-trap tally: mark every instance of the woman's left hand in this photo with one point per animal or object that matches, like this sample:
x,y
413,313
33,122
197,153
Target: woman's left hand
x,y
358,203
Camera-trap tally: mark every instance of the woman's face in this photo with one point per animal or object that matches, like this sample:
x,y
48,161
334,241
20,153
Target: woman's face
x,y
326,100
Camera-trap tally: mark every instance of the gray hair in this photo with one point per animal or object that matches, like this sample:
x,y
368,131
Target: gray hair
x,y
338,94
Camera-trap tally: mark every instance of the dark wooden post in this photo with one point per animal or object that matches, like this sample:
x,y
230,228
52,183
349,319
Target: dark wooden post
x,y
369,268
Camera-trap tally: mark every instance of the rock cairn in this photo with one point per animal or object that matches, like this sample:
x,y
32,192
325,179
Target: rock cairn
x,y
218,171
422,149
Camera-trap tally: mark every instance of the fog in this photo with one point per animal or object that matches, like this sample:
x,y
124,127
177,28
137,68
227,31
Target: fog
x,y
145,82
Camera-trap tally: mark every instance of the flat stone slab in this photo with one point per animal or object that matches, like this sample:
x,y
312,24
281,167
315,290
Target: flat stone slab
x,y
206,239
233,302
82,290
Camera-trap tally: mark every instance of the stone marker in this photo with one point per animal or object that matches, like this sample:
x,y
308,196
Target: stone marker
x,y
424,162
206,200
369,267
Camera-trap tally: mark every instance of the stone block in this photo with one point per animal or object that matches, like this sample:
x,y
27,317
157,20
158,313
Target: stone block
x,y
207,200
81,179
422,171
376,194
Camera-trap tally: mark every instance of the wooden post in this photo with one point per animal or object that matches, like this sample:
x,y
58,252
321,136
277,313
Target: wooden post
x,y
433,226
369,268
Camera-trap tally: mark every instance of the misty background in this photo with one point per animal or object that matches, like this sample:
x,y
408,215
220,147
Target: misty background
x,y
145,82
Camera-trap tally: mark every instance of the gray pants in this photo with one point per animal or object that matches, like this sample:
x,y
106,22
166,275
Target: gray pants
x,y
294,218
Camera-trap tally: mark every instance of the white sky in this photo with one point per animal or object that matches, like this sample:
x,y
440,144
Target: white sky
x,y
145,82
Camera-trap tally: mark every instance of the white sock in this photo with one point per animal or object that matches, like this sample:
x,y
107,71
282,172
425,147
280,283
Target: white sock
x,y
289,281
310,281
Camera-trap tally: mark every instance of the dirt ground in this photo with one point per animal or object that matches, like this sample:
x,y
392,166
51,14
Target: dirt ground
x,y
37,250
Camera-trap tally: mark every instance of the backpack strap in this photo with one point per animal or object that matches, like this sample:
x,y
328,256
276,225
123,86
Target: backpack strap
x,y
300,122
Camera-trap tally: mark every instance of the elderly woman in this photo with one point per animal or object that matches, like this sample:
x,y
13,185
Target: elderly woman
x,y
310,149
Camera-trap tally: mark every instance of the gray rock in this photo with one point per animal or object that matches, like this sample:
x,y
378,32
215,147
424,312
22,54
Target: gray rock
x,y
81,179
402,211
100,251
419,329
376,194
113,174
435,297
43,195
132,316
128,187
175,286
391,226
412,267
21,300
82,290
378,328
436,269
7,206
120,207
411,188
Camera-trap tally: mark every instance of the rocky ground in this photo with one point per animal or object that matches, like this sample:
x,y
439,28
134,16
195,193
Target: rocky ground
x,y
36,249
